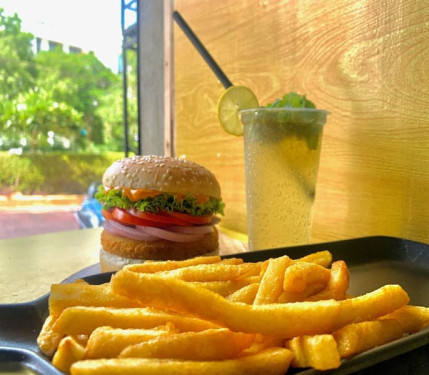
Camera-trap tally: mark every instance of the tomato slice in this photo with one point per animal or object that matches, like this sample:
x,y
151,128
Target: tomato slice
x,y
159,218
107,214
124,217
199,220
148,219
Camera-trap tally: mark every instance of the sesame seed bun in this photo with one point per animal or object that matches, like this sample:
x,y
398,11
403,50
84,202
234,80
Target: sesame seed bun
x,y
165,174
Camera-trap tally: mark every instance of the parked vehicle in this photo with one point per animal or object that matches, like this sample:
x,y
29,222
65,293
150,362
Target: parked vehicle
x,y
89,215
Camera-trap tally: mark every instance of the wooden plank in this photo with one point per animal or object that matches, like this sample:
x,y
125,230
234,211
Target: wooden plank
x,y
363,61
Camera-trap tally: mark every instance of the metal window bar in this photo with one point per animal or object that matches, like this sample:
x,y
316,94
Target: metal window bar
x,y
130,41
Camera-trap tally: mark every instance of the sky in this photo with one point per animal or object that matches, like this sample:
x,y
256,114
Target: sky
x,y
93,25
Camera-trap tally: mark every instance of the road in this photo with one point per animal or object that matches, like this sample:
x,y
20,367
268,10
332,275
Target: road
x,y
21,223
25,216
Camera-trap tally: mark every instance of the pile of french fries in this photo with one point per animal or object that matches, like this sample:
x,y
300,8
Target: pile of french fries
x,y
209,315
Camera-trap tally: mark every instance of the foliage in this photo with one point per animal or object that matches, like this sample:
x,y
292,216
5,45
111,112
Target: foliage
x,y
17,66
292,100
80,80
53,173
33,115
111,110
55,100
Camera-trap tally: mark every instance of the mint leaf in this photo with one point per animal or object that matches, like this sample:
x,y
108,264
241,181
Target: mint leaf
x,y
292,100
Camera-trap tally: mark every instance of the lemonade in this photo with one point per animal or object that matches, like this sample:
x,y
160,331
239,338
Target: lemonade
x,y
282,149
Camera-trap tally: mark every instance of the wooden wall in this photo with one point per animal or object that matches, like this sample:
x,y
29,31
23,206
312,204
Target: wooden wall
x,y
365,61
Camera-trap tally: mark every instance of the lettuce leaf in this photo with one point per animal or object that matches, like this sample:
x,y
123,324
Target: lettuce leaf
x,y
162,202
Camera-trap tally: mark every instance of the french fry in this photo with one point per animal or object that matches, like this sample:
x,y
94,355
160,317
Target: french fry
x,y
213,272
81,339
69,351
252,279
83,294
232,261
224,288
262,342
272,361
356,338
301,280
323,258
411,318
208,345
371,305
281,320
337,285
48,340
245,295
210,315
153,266
309,290
270,287
108,342
84,320
319,352
300,274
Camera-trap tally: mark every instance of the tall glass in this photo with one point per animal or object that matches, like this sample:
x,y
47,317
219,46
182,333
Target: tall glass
x,y
282,151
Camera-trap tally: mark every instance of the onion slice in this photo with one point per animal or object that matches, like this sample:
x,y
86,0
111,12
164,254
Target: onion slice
x,y
118,229
215,220
201,229
168,235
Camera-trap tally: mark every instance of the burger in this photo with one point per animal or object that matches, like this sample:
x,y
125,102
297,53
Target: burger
x,y
157,208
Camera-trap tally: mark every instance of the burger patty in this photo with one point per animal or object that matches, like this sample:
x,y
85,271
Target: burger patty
x,y
159,250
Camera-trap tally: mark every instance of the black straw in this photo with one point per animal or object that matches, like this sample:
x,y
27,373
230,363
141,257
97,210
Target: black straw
x,y
202,50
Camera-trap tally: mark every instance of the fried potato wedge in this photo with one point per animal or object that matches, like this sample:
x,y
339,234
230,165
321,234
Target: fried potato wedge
x,y
273,361
281,320
318,351
208,345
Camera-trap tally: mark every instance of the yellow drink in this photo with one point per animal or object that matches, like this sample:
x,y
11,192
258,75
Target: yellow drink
x,y
282,150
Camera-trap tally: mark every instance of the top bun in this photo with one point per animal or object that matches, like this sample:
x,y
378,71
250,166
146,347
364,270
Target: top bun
x,y
165,174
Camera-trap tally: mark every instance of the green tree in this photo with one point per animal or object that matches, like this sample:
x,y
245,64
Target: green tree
x,y
35,117
17,67
111,109
70,95
81,81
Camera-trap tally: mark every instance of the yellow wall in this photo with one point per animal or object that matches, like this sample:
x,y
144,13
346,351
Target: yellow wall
x,y
367,62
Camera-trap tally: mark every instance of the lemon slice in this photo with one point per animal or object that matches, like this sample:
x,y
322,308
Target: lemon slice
x,y
233,100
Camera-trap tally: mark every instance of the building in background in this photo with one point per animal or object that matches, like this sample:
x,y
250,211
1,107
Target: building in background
x,y
43,44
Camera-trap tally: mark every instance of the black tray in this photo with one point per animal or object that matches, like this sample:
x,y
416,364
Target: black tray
x,y
373,262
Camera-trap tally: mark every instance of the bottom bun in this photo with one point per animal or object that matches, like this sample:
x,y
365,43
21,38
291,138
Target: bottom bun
x,y
110,262
117,251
